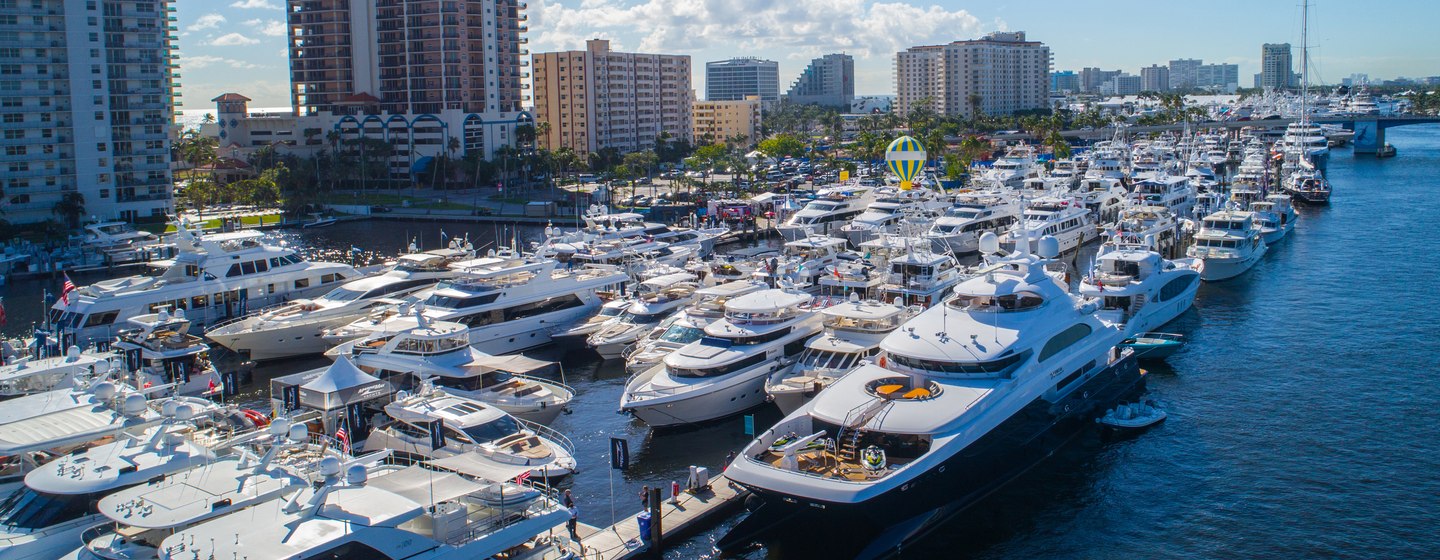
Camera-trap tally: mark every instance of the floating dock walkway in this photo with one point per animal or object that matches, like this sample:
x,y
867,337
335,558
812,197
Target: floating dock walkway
x,y
622,540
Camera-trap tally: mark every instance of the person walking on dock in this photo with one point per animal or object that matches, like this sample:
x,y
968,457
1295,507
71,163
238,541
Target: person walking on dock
x,y
574,516
645,498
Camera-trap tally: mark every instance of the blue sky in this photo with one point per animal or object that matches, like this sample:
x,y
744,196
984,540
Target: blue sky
x,y
239,45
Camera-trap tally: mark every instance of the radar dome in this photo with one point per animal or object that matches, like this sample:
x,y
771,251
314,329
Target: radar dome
x,y
355,474
299,433
989,243
185,412
329,466
105,390
1048,247
134,405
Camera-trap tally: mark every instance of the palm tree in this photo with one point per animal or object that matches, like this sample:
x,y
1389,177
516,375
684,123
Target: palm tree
x,y
453,147
70,207
542,130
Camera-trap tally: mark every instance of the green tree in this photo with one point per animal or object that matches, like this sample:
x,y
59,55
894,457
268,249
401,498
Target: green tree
x,y
70,207
782,145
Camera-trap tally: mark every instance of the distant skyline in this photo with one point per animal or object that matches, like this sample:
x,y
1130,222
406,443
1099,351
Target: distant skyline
x,y
239,45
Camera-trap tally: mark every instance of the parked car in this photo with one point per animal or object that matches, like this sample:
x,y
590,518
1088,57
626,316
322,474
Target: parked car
x,y
377,209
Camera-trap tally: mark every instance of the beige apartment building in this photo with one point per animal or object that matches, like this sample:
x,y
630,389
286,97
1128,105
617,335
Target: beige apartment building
x,y
717,121
1000,73
598,98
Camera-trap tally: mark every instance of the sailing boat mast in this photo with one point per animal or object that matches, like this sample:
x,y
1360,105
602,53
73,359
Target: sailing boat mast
x,y
1304,62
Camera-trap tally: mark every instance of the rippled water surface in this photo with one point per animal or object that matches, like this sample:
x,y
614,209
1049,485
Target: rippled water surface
x,y
1302,415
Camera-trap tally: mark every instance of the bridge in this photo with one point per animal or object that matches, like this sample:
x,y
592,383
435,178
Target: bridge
x,y
1369,131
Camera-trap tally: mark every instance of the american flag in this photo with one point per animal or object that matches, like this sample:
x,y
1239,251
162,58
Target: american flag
x,y
65,290
344,438
522,478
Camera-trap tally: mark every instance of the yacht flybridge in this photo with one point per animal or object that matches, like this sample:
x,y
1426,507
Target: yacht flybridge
x,y
724,372
295,328
214,277
159,351
25,376
962,399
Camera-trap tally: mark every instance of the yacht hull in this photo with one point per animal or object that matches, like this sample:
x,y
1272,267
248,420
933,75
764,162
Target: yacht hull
x,y
288,341
1225,269
1019,443
738,393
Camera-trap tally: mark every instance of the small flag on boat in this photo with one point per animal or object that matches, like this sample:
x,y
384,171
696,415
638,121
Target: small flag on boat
x,y
65,290
212,384
344,438
524,476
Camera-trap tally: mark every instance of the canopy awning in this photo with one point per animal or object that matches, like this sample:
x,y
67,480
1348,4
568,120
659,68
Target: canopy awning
x,y
512,364
422,485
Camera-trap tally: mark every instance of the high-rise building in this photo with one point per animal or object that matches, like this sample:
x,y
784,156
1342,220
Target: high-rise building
x,y
598,98
87,97
1219,77
1092,78
718,121
828,81
1123,84
1184,73
406,56
739,78
1064,82
1276,70
1355,80
998,74
1155,78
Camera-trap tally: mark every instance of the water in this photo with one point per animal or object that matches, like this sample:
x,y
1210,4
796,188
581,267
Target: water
x,y
1300,414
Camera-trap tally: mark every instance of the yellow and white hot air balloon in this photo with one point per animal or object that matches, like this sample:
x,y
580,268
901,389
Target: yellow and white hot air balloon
x,y
905,157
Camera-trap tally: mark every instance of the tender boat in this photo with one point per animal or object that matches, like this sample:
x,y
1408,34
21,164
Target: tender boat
x,y
1132,416
1154,345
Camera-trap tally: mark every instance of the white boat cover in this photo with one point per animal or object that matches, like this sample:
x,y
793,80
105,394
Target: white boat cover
x,y
478,466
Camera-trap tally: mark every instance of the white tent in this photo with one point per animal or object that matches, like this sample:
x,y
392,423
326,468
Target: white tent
x,y
339,385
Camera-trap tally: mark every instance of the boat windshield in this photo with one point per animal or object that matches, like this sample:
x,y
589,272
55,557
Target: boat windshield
x,y
343,294
681,334
825,359
28,509
493,430
642,318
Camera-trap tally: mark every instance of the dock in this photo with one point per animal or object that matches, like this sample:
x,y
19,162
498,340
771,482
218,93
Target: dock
x,y
694,511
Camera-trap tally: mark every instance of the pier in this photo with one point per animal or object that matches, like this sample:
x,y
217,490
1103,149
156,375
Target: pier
x,y
692,513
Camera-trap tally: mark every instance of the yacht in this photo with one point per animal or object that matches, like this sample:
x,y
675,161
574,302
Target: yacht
x,y
294,329
921,277
724,372
1071,224
1309,186
1172,192
961,400
832,209
1153,224
1277,217
418,513
120,242
440,351
853,331
58,503
880,217
1010,170
609,311
486,435
803,261
1139,288
214,277
958,230
26,376
509,303
159,351
1104,199
688,325
601,226
1229,242
634,254
272,465
655,299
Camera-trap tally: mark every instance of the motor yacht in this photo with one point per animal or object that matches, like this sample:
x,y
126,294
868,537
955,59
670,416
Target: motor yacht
x,y
962,399
609,311
1071,224
601,226
441,352
214,277
295,328
26,376
832,209
422,512
63,419
1157,225
958,230
1308,186
1277,217
655,299
802,261
724,372
1139,288
880,217
1010,170
274,464
509,303
490,438
688,325
58,503
158,350
1229,242
1172,192
853,331
921,277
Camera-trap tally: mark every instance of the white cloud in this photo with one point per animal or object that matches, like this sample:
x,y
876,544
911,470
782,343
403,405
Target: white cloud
x,y
207,21
255,5
204,61
802,28
232,40
268,27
